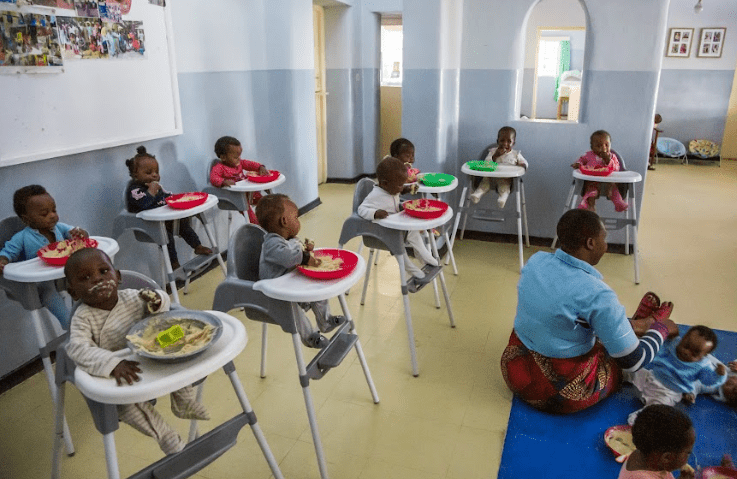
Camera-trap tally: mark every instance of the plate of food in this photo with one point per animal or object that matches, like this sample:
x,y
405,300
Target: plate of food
x,y
482,165
335,263
199,330
596,170
256,178
57,254
185,201
425,209
718,472
619,440
437,179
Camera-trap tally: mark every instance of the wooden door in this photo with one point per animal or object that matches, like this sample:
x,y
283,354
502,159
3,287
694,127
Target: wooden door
x,y
318,23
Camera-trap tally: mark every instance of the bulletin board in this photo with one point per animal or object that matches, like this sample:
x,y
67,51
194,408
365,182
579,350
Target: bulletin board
x,y
93,104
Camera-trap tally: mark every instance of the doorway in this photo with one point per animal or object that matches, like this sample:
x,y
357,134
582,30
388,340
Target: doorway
x,y
390,82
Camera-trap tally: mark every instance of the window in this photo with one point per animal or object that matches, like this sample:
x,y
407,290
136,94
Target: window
x,y
391,55
548,57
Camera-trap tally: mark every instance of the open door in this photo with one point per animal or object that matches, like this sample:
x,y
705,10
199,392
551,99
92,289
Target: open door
x,y
318,22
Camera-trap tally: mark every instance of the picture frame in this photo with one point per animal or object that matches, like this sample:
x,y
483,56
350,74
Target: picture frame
x,y
711,42
679,42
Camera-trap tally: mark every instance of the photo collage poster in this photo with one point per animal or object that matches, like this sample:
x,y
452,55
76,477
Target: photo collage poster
x,y
92,38
29,40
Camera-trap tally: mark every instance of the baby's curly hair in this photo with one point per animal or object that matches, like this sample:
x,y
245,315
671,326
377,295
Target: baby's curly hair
x,y
399,145
705,332
21,196
269,210
599,133
132,163
221,146
661,428
388,167
575,227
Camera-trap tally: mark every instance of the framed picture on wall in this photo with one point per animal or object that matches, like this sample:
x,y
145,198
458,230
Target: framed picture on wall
x,y
679,42
712,41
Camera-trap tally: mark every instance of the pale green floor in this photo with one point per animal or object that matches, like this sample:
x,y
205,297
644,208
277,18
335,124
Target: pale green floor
x,y
450,421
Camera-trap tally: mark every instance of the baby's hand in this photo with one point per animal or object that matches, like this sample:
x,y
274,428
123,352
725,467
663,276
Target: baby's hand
x,y
499,152
78,233
689,398
126,370
732,366
151,298
262,170
154,187
309,244
380,214
721,369
3,262
687,472
314,261
576,165
228,183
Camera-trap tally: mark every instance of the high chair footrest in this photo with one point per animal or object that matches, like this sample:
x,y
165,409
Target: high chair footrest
x,y
198,454
416,284
488,215
337,350
199,262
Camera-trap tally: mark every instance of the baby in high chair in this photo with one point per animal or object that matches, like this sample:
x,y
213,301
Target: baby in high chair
x,y
37,209
404,150
384,200
145,193
99,327
281,252
502,154
233,169
599,156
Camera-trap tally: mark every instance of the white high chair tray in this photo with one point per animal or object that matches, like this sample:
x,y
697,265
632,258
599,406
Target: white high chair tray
x,y
502,171
296,287
35,270
166,212
613,177
423,188
246,186
158,379
404,222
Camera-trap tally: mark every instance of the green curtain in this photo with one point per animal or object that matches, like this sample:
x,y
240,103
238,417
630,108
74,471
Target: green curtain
x,y
563,65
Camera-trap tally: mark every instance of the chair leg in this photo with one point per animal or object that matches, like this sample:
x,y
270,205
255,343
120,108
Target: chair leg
x,y
167,271
376,258
366,278
458,218
634,233
111,455
359,350
524,212
569,200
264,341
58,432
408,316
213,242
435,292
255,428
309,404
434,245
193,433
519,229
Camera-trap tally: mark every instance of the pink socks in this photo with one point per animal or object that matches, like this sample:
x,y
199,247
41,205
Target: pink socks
x,y
619,203
584,205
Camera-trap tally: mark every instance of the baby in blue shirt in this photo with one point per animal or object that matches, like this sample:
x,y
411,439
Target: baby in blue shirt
x,y
678,370
35,206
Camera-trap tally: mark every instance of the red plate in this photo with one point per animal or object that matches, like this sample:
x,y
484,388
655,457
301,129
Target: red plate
x,y
350,260
608,434
716,471
443,207
179,202
256,178
600,171
76,244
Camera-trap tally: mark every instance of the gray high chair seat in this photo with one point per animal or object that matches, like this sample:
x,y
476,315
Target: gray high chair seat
x,y
199,452
237,292
377,237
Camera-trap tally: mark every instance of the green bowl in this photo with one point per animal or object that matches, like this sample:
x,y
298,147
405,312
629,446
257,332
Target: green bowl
x,y
437,179
482,165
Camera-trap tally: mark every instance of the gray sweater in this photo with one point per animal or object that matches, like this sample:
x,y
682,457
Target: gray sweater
x,y
279,256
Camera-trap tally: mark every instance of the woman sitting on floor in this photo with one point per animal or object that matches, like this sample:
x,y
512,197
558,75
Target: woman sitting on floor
x,y
571,337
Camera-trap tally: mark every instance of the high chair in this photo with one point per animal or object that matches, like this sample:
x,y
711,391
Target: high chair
x,y
274,301
102,395
625,181
378,237
154,231
516,174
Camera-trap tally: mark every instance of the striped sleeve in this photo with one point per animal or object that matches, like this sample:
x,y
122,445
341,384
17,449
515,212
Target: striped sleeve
x,y
645,350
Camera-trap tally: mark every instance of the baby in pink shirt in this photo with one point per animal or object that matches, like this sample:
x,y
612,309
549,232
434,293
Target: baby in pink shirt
x,y
600,156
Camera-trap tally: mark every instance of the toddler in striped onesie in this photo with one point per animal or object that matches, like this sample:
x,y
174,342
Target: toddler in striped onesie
x,y
99,327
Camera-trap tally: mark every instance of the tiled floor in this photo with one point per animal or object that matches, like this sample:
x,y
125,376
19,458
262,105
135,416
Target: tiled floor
x,y
450,421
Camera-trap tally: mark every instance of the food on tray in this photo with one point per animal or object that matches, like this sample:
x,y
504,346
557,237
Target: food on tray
x,y
57,253
328,263
188,197
412,174
421,205
151,299
620,441
485,165
196,335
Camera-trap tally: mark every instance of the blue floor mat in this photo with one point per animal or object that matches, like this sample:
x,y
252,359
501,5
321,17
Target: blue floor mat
x,y
541,445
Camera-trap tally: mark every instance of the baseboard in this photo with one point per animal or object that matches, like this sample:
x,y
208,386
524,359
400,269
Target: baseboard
x,y
310,206
543,242
351,181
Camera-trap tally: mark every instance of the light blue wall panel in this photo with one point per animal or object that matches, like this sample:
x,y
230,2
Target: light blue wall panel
x,y
694,103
